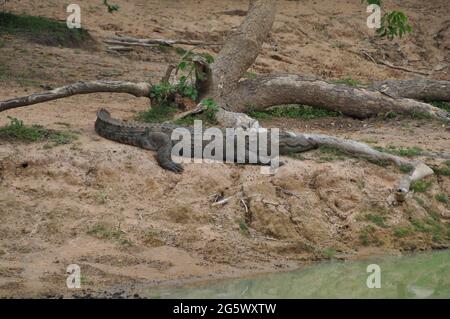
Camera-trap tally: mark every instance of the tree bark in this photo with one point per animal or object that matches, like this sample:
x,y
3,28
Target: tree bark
x,y
242,48
82,87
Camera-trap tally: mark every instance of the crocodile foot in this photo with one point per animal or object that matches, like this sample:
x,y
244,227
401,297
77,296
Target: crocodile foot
x,y
172,166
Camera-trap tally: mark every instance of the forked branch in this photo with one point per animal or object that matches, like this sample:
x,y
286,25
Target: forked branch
x,y
82,87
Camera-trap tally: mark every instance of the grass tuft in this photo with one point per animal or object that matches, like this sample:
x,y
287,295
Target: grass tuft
x,y
406,168
292,111
444,171
377,220
329,154
16,130
399,151
420,186
443,198
442,105
106,231
157,114
329,253
243,227
401,232
368,237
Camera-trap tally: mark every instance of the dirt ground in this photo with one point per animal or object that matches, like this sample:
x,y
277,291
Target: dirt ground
x,y
113,211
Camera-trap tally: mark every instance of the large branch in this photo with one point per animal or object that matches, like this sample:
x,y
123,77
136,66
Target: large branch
x,y
243,47
266,91
418,89
354,148
82,87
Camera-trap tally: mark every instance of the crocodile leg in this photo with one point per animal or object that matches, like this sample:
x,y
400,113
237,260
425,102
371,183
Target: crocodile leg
x,y
160,142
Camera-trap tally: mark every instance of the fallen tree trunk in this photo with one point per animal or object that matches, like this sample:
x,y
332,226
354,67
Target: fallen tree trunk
x,y
82,87
266,91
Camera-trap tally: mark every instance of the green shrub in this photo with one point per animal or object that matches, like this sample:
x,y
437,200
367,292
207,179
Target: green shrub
x,y
420,186
406,168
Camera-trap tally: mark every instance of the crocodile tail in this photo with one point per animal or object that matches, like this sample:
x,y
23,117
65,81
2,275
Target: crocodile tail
x,y
103,114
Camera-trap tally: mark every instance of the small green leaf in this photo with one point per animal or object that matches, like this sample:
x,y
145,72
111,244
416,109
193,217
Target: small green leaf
x,y
182,65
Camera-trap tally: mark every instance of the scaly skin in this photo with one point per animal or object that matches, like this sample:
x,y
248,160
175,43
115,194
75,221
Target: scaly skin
x,y
157,137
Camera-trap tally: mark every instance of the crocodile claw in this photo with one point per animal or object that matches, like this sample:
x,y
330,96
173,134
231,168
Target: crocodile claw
x,y
174,167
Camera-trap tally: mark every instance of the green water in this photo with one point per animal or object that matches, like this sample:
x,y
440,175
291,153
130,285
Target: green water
x,y
424,275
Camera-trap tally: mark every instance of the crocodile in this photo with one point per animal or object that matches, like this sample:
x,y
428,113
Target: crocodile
x,y
157,137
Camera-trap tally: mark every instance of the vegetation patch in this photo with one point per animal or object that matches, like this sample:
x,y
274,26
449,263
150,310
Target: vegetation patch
x,y
43,30
419,225
157,114
442,105
165,113
443,198
399,151
377,220
406,168
445,170
243,227
105,231
250,75
102,197
292,111
379,162
368,237
391,115
328,154
167,98
420,186
402,231
421,115
329,253
16,131
430,226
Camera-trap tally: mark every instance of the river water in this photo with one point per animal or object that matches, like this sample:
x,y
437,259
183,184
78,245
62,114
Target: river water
x,y
425,275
